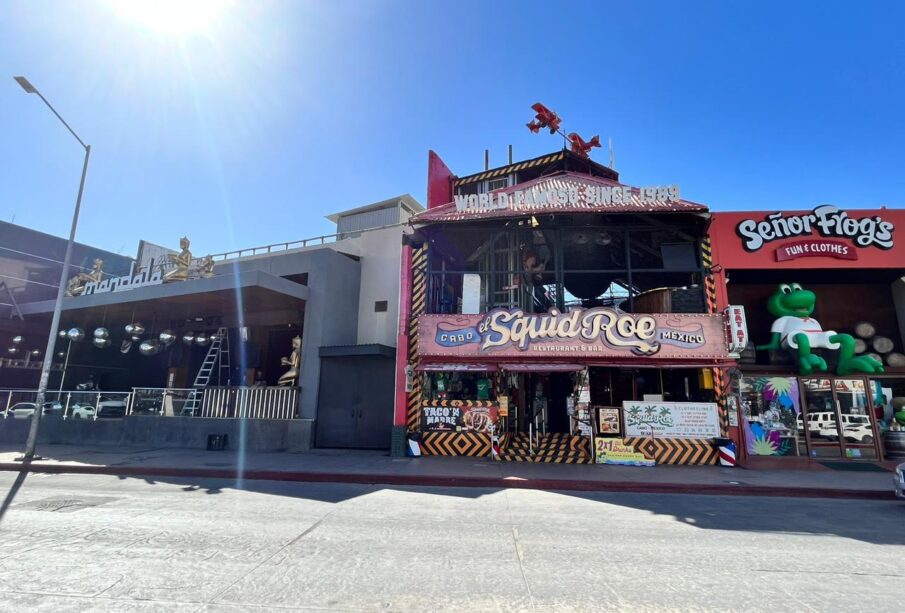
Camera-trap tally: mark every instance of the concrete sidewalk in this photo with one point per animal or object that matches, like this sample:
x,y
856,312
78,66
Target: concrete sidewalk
x,y
378,468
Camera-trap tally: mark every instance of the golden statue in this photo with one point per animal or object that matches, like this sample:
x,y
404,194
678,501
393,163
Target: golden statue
x,y
206,267
180,261
76,285
294,362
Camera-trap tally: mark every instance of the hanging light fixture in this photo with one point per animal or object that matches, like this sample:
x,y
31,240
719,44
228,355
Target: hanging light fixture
x,y
167,337
101,343
149,347
101,333
137,329
75,334
188,338
17,340
12,350
63,334
202,339
35,353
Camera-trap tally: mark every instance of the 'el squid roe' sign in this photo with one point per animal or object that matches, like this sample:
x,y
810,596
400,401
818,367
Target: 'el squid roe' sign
x,y
599,332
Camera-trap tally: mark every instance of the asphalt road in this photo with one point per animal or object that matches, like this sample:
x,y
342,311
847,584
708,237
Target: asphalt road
x,y
100,543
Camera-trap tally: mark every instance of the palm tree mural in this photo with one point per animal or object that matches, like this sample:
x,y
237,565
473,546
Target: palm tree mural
x,y
781,395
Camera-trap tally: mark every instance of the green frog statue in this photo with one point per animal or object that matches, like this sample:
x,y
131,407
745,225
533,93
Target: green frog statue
x,y
796,330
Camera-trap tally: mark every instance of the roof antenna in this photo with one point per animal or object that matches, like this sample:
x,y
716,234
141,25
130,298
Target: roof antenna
x,y
486,159
510,155
612,154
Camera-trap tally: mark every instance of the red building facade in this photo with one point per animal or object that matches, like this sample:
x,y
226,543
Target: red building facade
x,y
849,265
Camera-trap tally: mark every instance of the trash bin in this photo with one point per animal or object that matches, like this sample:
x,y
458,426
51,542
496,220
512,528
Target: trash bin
x,y
726,450
217,442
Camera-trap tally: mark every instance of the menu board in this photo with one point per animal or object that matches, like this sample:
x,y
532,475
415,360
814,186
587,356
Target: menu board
x,y
608,420
671,419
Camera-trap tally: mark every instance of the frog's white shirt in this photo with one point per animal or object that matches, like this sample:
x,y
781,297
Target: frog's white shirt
x,y
789,326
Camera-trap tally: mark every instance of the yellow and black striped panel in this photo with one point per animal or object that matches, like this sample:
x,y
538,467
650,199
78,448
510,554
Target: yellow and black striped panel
x,y
418,297
710,295
455,443
458,403
505,170
675,450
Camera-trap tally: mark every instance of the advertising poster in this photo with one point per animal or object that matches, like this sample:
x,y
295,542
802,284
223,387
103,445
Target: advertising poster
x,y
615,451
459,418
608,420
671,419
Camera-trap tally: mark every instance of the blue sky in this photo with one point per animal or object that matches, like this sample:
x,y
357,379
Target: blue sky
x,y
250,129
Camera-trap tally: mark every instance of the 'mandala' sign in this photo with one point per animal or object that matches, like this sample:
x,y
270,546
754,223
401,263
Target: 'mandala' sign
x,y
826,221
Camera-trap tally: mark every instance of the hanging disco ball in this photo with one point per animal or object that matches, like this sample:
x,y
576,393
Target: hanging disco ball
x,y
101,333
149,347
63,334
17,340
167,337
35,353
202,339
75,334
136,338
12,350
129,328
188,338
137,329
101,343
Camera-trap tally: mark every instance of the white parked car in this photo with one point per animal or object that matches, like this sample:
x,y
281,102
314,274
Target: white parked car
x,y
107,407
24,410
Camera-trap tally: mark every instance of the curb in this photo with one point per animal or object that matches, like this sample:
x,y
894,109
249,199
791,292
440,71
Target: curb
x,y
452,481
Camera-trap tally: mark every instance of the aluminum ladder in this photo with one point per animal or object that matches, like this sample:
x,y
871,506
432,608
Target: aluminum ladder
x,y
217,358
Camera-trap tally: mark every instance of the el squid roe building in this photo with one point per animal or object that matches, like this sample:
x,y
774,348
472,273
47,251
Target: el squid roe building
x,y
551,312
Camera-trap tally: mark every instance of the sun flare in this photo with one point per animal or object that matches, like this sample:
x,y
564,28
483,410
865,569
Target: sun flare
x,y
173,16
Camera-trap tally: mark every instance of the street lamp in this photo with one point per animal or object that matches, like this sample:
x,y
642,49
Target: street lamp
x,y
32,441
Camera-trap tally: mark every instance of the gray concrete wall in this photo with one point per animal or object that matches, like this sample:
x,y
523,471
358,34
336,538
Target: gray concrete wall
x,y
183,432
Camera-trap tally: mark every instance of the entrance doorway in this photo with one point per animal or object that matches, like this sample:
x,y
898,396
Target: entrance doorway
x,y
838,416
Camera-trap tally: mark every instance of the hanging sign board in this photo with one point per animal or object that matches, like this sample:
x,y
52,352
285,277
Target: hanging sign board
x,y
671,419
738,328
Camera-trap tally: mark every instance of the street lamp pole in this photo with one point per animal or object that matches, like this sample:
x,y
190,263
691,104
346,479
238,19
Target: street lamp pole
x,y
32,441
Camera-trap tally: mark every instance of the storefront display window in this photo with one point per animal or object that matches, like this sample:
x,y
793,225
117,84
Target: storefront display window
x,y
855,423
772,416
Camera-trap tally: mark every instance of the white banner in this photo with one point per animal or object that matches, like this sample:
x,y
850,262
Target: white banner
x,y
671,419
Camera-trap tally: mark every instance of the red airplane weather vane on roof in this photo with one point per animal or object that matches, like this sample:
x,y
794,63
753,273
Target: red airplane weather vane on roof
x,y
545,118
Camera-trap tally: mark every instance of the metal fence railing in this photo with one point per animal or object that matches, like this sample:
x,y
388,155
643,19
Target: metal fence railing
x,y
250,402
217,402
67,404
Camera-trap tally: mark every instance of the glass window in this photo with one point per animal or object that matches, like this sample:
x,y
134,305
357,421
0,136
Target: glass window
x,y
820,413
857,431
772,416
